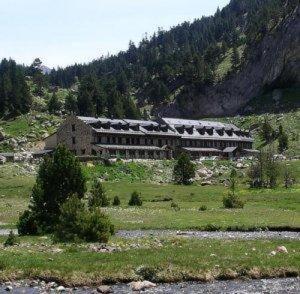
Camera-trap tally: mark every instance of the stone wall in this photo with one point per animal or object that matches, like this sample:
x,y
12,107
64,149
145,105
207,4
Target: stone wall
x,y
76,135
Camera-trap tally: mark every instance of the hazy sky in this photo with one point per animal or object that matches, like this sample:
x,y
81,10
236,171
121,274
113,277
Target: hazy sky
x,y
62,32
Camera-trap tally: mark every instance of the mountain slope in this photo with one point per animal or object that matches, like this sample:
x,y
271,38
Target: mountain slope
x,y
274,62
211,67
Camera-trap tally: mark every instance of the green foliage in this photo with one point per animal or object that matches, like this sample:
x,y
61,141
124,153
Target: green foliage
x,y
27,224
15,98
232,201
59,177
71,104
78,224
136,199
266,171
11,240
267,133
98,197
184,170
116,201
203,208
233,181
175,206
283,140
54,105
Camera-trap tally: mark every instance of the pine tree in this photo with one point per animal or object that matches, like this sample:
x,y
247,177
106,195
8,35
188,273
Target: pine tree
x,y
15,98
98,197
130,109
71,104
54,105
59,177
283,140
184,170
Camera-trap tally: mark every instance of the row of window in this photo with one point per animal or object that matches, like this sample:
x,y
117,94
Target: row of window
x,y
134,141
215,144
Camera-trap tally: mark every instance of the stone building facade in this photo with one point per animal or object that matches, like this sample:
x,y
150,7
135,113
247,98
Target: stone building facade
x,y
164,138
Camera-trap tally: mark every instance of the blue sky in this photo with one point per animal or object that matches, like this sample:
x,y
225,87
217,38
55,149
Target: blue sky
x,y
62,32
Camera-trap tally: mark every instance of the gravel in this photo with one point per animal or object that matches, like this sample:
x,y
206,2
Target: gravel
x,y
284,235
211,235
288,285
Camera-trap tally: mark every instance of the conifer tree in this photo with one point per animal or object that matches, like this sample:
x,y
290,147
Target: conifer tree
x,y
59,177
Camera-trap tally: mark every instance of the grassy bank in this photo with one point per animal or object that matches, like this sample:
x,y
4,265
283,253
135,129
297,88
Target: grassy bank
x,y
163,260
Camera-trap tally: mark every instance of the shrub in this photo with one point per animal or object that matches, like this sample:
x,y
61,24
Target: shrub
x,y
232,201
203,208
184,170
69,225
98,197
95,227
135,199
79,224
116,201
27,224
175,206
11,240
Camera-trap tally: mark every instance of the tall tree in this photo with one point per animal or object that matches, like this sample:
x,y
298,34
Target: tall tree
x,y
59,177
15,98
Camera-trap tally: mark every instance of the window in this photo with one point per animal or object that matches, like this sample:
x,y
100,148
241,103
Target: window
x,y
127,141
73,128
119,140
73,140
82,151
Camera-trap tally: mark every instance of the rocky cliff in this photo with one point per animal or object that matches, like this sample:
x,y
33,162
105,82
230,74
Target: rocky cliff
x,y
274,62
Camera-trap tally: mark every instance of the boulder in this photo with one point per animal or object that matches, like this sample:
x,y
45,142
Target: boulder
x,y
60,289
104,289
2,159
140,286
8,288
281,249
206,183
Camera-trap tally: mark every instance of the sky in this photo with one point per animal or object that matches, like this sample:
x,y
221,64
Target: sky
x,y
62,32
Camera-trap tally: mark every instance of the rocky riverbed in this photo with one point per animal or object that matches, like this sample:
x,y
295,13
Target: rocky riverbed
x,y
288,285
211,235
284,235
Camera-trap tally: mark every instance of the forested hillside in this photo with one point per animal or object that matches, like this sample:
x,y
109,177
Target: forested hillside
x,y
171,70
220,65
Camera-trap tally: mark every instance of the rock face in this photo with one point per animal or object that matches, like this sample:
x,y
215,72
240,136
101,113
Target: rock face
x,y
275,60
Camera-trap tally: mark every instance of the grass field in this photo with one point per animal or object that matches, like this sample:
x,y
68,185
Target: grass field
x,y
272,208
163,260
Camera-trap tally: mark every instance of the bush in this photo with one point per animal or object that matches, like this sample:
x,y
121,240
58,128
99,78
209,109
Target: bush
x,y
96,227
135,199
27,224
184,170
11,240
232,201
175,206
98,197
76,223
203,208
116,201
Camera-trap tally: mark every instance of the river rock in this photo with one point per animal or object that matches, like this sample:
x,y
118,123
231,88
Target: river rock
x,y
2,159
60,289
104,289
8,288
140,286
281,249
